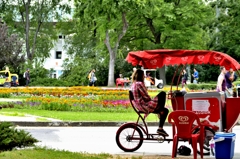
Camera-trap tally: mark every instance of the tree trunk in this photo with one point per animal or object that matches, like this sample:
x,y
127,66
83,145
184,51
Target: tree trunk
x,y
27,23
113,52
157,40
111,61
162,74
111,70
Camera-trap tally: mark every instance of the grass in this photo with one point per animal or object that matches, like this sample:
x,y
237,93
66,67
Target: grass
x,y
44,153
77,116
12,114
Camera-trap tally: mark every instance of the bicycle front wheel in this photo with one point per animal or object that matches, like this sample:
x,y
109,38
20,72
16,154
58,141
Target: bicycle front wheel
x,y
129,138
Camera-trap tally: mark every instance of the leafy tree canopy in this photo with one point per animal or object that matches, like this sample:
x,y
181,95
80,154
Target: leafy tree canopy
x,y
226,28
35,21
10,48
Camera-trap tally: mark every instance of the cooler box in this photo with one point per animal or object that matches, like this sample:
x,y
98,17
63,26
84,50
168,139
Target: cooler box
x,y
207,105
224,145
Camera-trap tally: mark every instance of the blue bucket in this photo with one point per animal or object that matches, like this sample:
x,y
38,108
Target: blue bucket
x,y
224,145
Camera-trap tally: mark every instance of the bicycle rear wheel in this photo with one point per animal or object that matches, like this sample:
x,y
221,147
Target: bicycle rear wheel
x,y
209,133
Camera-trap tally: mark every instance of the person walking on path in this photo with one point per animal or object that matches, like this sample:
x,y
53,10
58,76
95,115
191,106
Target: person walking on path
x,y
143,102
27,77
184,77
92,78
195,76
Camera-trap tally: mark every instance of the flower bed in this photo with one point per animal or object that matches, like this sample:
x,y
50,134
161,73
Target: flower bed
x,y
73,98
69,99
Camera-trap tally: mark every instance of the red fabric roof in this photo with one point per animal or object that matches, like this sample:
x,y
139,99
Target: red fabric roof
x,y
157,58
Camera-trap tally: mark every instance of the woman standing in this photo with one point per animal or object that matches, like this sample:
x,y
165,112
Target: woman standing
x,y
221,82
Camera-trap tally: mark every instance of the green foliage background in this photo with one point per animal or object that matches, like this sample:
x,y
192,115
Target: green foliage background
x,y
152,24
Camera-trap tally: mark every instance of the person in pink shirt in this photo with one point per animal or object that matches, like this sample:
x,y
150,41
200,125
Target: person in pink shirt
x,y
144,103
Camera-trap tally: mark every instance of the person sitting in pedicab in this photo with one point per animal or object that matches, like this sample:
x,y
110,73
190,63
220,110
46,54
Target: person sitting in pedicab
x,y
144,103
150,78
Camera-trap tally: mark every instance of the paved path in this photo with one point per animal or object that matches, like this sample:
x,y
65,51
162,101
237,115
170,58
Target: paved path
x,y
102,140
26,118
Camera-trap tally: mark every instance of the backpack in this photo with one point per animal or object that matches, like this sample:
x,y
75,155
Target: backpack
x,y
24,75
184,150
89,75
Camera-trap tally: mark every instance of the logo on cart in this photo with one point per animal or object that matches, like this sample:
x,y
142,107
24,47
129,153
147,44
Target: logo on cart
x,y
200,57
153,62
168,59
184,58
217,58
183,119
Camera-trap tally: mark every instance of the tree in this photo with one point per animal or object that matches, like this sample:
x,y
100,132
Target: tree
x,y
10,48
107,22
170,24
107,30
36,21
226,28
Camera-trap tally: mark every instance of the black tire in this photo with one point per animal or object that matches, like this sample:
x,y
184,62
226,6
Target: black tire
x,y
209,133
7,84
160,86
124,141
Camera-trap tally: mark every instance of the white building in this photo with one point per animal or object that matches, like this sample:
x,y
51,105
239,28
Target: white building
x,y
57,56
59,52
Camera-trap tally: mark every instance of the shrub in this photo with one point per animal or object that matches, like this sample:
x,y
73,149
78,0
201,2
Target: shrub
x,y
201,86
236,83
192,86
11,138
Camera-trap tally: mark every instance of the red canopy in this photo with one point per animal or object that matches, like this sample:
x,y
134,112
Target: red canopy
x,y
157,58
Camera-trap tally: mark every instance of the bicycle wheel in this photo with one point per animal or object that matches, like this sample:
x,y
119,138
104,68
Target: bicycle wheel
x,y
209,133
129,138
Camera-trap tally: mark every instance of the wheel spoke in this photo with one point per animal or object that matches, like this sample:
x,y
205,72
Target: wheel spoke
x,y
209,133
129,138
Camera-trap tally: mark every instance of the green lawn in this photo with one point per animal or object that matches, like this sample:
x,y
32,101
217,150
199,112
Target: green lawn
x,y
77,116
44,153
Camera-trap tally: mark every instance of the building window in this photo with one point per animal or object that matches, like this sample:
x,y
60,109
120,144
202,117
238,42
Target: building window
x,y
61,36
58,54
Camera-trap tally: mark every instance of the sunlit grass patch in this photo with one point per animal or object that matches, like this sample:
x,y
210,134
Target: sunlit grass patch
x,y
12,114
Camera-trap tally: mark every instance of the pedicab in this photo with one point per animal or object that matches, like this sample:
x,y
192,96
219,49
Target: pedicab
x,y
211,108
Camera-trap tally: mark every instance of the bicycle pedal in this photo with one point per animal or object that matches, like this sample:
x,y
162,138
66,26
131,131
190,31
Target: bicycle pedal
x,y
160,138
